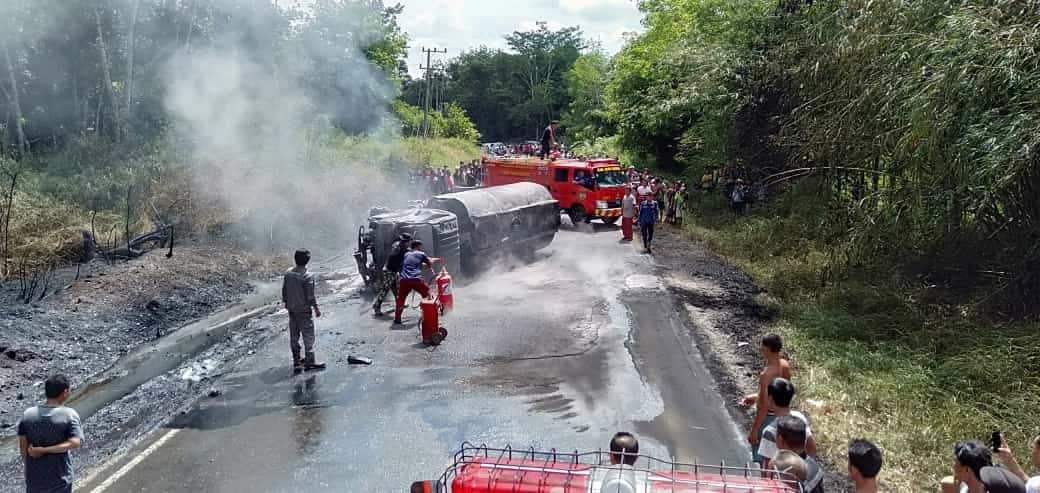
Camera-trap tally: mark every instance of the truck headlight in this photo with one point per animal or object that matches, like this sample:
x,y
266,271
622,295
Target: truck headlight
x,y
601,204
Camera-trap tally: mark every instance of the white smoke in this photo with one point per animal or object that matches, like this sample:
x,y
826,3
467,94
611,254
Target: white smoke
x,y
255,137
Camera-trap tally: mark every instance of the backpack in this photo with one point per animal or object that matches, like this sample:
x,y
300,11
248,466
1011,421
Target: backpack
x,y
396,258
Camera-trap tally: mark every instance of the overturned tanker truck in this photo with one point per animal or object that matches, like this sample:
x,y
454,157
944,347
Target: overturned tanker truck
x,y
464,228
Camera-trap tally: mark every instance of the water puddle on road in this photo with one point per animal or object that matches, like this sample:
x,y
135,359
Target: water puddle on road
x,y
643,281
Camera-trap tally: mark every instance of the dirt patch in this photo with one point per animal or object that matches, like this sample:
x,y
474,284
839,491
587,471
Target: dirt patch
x,y
82,326
728,313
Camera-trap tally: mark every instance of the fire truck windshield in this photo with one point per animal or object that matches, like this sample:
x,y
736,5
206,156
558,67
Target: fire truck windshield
x,y
610,177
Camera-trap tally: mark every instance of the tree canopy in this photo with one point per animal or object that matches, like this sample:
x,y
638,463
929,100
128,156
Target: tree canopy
x,y
73,67
511,94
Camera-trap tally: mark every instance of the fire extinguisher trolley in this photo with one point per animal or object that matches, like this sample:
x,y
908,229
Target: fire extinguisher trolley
x,y
431,309
480,469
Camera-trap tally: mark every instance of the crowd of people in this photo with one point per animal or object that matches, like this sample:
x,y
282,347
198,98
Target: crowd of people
x,y
649,200
781,437
429,181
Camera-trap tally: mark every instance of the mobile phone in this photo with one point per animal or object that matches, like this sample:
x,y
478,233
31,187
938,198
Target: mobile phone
x,y
996,440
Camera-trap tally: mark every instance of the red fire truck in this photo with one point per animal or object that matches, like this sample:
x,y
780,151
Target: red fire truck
x,y
586,189
484,470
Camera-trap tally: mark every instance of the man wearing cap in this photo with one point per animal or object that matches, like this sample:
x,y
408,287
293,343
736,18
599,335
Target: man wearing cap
x,y
388,277
299,299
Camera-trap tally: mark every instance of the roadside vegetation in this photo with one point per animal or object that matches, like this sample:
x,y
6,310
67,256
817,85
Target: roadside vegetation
x,y
125,117
896,145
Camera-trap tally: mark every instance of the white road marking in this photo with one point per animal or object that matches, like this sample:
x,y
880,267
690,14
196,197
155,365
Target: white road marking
x,y
135,461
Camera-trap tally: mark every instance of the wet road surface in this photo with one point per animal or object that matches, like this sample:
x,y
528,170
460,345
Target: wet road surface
x,y
559,352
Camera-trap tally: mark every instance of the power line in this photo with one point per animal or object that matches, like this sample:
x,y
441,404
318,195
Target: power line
x,y
426,101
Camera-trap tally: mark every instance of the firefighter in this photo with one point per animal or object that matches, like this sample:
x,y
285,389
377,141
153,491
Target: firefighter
x,y
388,279
411,277
299,299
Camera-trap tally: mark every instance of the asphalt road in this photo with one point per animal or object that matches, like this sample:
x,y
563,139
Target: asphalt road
x,y
558,352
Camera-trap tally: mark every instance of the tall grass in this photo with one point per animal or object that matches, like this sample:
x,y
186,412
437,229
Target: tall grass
x,y
884,360
84,188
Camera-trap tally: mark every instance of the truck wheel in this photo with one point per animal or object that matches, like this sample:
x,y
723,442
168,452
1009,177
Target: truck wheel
x,y
610,221
577,214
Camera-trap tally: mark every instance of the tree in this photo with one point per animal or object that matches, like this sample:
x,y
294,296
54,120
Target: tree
x,y
546,55
586,117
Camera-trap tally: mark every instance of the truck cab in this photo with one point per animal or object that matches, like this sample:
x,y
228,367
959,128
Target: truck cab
x,y
585,189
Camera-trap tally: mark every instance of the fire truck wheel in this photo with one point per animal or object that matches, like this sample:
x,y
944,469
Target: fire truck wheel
x,y
577,214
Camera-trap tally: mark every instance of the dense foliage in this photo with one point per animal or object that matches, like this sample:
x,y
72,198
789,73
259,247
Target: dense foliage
x,y
71,67
915,119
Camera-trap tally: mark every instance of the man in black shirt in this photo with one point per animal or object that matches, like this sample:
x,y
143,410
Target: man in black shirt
x,y
388,280
549,138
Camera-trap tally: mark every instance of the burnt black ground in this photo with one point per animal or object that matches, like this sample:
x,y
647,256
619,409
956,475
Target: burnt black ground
x,y
91,322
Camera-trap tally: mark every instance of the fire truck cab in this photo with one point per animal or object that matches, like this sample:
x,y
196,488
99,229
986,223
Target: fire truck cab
x,y
585,189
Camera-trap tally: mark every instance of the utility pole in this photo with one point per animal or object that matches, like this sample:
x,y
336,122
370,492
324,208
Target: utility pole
x,y
426,101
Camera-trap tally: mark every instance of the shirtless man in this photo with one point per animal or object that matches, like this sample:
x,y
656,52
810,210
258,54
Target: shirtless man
x,y
775,367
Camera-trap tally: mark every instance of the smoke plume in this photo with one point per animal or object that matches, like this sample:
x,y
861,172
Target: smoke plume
x,y
260,141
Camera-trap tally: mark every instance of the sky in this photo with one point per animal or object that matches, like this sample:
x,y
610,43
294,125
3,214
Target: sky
x,y
460,25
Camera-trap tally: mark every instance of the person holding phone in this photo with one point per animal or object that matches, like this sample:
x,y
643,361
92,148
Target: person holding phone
x,y
1002,451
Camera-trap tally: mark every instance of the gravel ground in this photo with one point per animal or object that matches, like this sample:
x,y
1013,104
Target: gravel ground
x,y
728,315
89,323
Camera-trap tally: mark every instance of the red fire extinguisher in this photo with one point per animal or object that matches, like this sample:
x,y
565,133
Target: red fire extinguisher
x,y
430,323
445,293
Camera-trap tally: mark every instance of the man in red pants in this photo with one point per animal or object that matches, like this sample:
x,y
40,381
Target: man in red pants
x,y
411,277
628,214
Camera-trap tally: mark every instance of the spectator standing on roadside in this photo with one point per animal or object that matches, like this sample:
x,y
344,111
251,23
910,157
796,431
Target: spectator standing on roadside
x,y
791,465
780,393
680,204
648,216
299,299
549,139
1009,461
643,191
775,367
968,460
791,435
864,465
46,435
628,214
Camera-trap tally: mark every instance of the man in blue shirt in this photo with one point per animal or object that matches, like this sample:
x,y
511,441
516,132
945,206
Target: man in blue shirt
x,y
411,277
648,215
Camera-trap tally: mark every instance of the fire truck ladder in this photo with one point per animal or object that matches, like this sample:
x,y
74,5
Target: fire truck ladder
x,y
686,476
